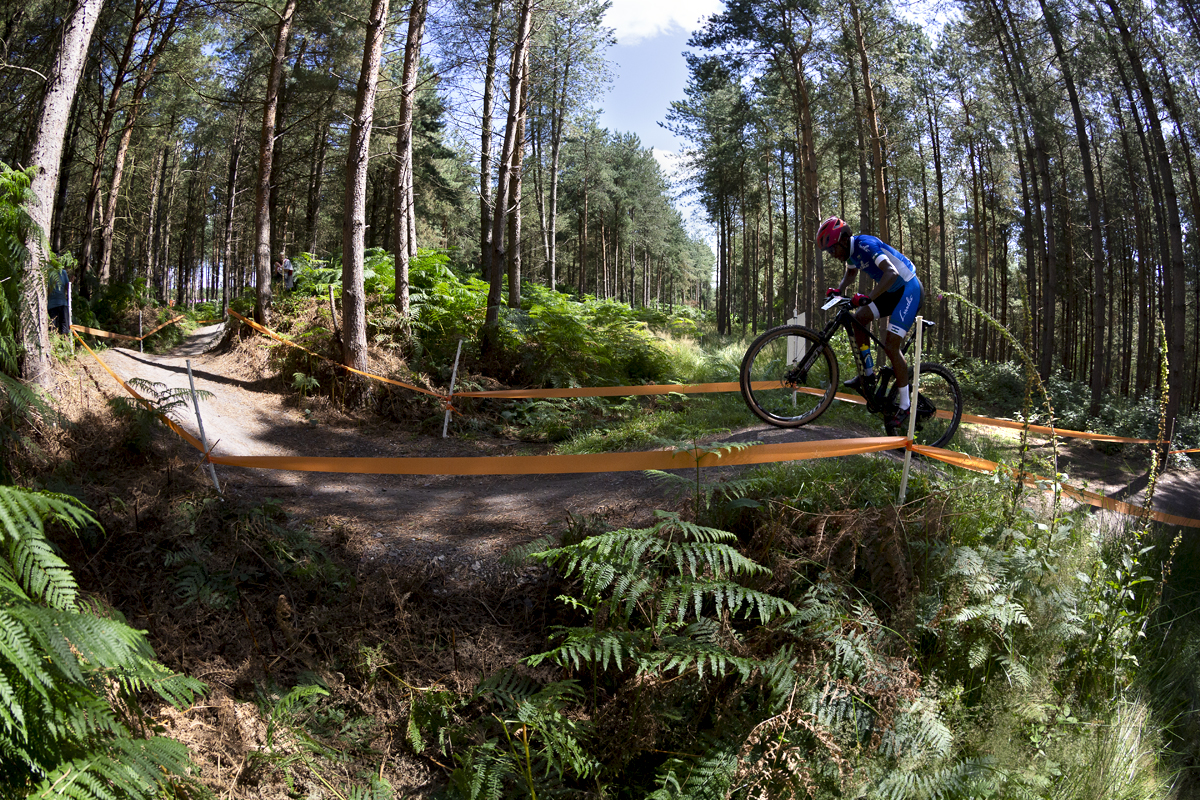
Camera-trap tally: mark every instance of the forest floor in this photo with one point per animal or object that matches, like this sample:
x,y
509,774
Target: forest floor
x,y
428,587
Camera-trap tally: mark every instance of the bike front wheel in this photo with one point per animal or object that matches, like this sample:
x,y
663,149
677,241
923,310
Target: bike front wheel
x,y
938,406
789,376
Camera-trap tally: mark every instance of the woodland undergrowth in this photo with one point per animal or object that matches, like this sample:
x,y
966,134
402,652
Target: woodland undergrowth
x,y
787,632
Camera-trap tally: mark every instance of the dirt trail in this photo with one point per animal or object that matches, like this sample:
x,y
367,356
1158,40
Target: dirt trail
x,y
410,519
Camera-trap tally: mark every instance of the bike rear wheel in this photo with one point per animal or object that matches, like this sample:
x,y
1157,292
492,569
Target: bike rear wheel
x,y
788,376
938,407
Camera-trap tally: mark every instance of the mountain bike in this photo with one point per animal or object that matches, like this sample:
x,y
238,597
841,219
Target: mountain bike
x,y
789,376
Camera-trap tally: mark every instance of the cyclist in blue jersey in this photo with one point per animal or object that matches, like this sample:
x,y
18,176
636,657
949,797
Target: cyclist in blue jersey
x,y
896,295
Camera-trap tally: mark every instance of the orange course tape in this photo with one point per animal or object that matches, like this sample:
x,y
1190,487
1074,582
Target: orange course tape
x,y
187,437
267,331
107,335
1082,495
1042,429
621,462
691,388
557,465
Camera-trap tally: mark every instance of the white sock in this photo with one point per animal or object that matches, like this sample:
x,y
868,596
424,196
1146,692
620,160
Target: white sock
x,y
903,397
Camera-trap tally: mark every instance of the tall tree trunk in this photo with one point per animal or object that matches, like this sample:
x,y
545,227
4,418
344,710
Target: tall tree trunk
x,y
145,74
92,204
279,219
503,199
514,192
235,158
872,117
1175,279
403,245
60,201
262,195
785,295
317,177
45,156
485,144
1093,203
354,222
556,131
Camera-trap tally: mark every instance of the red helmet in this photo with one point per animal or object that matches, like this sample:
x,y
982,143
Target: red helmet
x,y
830,232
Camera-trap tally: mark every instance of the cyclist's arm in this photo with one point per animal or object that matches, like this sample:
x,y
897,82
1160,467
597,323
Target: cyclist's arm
x,y
847,279
890,276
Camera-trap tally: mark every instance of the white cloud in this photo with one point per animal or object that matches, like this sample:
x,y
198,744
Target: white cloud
x,y
635,20
668,161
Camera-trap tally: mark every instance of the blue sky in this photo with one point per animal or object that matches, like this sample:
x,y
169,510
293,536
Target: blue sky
x,y
649,71
648,67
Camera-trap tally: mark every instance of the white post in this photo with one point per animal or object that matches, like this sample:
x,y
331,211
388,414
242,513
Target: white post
x,y
913,393
70,319
140,337
199,422
453,378
797,348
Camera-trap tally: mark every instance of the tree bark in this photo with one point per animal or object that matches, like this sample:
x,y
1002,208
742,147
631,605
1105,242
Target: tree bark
x,y
872,117
235,158
92,204
354,308
403,243
1174,282
1093,203
45,156
500,212
485,144
514,192
154,48
262,195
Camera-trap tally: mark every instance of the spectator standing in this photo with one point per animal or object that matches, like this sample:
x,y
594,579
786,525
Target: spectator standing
x,y
289,274
57,301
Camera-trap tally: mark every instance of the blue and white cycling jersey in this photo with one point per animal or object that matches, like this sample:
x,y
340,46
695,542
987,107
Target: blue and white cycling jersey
x,y
866,252
902,301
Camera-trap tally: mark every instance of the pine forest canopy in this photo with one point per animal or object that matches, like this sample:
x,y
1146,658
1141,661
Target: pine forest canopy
x,y
1035,161
208,138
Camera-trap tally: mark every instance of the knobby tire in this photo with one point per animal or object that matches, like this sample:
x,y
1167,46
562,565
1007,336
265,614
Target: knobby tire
x,y
938,392
771,385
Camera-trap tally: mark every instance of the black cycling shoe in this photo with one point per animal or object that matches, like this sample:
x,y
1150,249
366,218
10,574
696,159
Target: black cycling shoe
x,y
861,383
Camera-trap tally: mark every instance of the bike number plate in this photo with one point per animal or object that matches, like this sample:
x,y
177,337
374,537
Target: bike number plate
x,y
831,302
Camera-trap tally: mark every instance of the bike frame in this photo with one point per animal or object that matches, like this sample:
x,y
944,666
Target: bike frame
x,y
877,401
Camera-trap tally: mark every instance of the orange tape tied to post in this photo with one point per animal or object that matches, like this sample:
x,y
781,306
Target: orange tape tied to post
x,y
268,332
108,335
1091,498
187,437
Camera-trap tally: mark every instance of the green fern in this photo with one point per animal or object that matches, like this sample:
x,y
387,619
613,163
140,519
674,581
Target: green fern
x,y
158,403
709,776
534,744
61,660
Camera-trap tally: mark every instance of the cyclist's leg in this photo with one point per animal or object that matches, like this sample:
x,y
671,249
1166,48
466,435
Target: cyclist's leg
x,y
902,308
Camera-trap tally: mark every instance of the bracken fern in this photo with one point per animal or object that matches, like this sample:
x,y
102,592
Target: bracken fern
x,y
69,677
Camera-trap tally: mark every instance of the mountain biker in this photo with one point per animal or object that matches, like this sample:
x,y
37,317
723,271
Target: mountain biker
x,y
896,295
